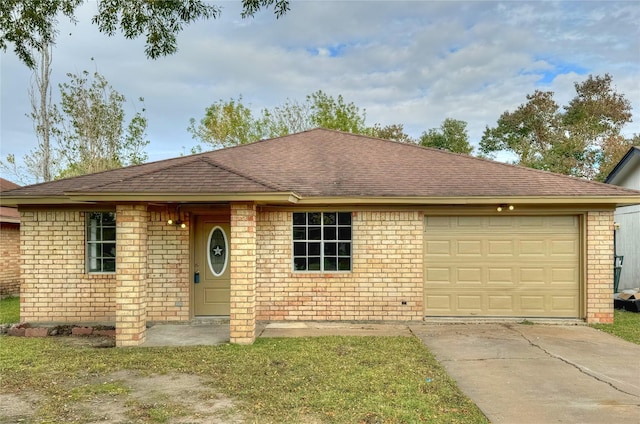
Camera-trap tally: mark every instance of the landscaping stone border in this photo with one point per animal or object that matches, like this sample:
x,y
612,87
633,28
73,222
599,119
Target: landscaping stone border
x,y
24,329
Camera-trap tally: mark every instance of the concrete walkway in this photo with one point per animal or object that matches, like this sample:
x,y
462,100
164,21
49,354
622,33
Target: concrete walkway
x,y
515,373
540,373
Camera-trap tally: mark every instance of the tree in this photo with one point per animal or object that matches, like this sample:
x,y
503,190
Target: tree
x,y
227,124
582,139
30,25
393,132
594,120
90,127
41,161
335,114
230,123
452,136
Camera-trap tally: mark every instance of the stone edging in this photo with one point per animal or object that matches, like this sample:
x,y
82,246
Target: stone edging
x,y
24,329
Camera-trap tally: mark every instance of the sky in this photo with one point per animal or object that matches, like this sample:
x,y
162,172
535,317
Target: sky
x,y
414,63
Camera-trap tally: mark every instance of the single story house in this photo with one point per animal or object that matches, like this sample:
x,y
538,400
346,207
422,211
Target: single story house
x,y
9,245
627,218
319,225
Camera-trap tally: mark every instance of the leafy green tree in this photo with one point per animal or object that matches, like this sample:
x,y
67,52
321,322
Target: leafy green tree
x,y
452,136
230,123
30,25
335,114
90,127
227,123
582,139
393,132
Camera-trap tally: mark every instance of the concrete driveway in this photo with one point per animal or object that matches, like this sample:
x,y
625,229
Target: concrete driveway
x,y
519,373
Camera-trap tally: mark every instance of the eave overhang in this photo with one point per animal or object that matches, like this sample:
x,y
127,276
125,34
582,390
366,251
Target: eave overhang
x,y
80,198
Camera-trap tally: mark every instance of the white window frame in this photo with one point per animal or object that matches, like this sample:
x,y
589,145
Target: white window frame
x,y
321,241
94,239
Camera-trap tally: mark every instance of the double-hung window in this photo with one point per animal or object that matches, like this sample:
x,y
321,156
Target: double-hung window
x,y
322,241
101,241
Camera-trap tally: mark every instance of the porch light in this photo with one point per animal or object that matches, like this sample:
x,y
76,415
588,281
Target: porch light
x,y
177,223
502,207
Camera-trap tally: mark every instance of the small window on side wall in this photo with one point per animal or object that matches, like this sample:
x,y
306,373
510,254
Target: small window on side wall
x,y
101,242
322,241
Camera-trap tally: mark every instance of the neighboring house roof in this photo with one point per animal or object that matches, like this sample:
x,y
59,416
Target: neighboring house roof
x,y
10,215
325,166
629,162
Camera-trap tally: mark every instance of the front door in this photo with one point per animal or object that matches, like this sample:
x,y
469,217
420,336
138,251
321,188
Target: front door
x,y
211,266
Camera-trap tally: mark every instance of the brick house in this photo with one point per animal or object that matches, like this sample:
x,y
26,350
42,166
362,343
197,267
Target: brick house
x,y
319,225
9,245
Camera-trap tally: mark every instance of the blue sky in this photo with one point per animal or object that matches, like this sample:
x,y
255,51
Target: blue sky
x,y
414,63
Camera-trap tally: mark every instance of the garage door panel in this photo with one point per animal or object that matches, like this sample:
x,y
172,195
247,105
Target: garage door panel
x,y
564,247
438,275
502,266
469,276
438,247
500,276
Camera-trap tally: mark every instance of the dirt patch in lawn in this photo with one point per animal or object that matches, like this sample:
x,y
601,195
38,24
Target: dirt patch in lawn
x,y
124,397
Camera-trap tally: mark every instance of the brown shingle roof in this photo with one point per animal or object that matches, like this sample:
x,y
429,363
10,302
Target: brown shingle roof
x,y
8,214
325,163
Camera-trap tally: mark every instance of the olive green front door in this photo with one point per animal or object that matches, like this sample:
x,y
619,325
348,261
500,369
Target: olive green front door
x,y
211,268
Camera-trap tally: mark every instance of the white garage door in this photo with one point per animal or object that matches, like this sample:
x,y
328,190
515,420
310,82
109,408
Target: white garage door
x,y
520,266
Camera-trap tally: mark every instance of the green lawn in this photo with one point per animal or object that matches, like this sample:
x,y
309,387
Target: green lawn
x,y
318,380
10,310
626,325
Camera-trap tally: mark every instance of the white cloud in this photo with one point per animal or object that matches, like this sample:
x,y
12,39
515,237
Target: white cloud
x,y
414,63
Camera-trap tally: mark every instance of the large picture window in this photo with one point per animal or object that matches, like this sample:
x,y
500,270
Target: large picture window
x,y
101,242
322,241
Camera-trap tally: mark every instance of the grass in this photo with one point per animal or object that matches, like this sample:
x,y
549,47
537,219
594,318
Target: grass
x,y
10,310
323,379
626,325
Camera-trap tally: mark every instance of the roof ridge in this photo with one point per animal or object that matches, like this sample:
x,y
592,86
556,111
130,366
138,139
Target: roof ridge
x,y
266,184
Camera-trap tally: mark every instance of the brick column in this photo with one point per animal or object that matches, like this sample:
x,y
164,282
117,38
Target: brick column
x,y
243,273
131,274
600,267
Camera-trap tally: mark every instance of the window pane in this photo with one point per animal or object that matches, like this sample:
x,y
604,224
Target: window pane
x,y
314,249
109,250
314,264
330,249
299,233
315,218
344,264
329,233
300,264
329,218
344,218
109,265
299,218
344,233
330,264
344,249
315,233
109,234
300,249
108,219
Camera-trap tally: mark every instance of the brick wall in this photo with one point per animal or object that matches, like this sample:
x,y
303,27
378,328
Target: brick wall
x,y
168,269
599,267
242,316
9,259
131,278
55,285
387,270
